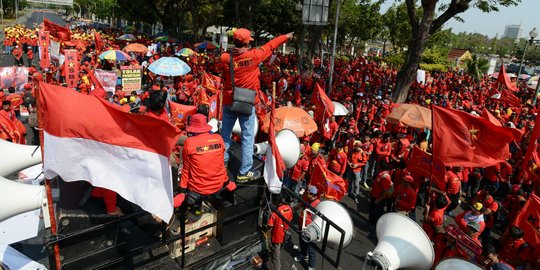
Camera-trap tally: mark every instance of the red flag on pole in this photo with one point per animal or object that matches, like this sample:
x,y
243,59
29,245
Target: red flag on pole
x,y
56,30
98,88
505,80
179,113
45,59
487,115
324,108
98,42
89,138
274,164
211,82
528,220
421,163
12,130
329,183
461,139
533,144
71,68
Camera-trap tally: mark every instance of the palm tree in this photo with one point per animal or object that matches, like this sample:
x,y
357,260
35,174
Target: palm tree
x,y
476,67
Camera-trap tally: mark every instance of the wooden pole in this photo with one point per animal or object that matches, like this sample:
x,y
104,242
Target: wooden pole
x,y
48,190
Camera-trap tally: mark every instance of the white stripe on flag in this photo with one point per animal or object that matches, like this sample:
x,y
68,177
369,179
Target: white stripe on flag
x,y
270,174
141,177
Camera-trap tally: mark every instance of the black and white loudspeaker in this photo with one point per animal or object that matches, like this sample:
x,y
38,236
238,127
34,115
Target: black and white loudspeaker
x,y
16,157
402,244
216,126
288,145
456,263
315,231
17,198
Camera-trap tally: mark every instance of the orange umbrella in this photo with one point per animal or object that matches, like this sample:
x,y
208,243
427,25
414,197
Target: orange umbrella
x,y
410,115
293,118
135,47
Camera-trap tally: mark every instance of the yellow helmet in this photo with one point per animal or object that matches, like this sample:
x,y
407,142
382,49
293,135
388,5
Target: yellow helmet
x,y
315,147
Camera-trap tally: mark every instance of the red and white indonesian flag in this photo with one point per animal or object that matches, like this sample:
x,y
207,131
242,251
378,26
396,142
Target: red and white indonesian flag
x,y
87,138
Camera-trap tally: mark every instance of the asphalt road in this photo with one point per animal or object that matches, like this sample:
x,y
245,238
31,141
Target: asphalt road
x,y
33,19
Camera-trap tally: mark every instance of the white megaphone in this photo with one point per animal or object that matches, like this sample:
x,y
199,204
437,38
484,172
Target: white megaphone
x,y
456,263
315,231
16,157
402,244
288,145
216,126
17,198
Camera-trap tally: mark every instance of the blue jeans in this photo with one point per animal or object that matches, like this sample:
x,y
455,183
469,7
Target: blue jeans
x,y
308,251
247,124
357,179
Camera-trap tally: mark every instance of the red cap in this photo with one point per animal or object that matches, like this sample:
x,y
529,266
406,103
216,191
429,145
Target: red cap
x,y
243,35
408,179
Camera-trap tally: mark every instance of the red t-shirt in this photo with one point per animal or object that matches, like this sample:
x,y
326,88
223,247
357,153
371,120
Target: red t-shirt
x,y
198,152
278,226
301,166
337,162
382,183
453,183
436,216
405,198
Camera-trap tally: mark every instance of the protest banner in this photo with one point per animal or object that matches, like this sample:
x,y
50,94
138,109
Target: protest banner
x,y
131,78
71,68
13,77
44,57
107,79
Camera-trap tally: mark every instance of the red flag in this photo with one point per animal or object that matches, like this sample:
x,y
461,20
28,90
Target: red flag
x,y
510,98
179,113
213,106
533,142
211,82
14,129
324,108
98,89
201,97
421,163
505,80
528,220
329,183
45,59
487,115
98,42
56,30
274,164
461,139
89,138
71,68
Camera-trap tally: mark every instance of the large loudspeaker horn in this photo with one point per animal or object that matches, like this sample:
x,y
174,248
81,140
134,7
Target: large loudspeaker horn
x,y
288,145
402,244
216,126
17,198
334,211
16,157
456,263
238,130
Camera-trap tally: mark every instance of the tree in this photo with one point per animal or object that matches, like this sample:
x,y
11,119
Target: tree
x,y
427,23
398,29
476,67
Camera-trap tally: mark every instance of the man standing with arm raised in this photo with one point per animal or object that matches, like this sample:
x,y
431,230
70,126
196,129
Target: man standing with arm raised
x,y
246,73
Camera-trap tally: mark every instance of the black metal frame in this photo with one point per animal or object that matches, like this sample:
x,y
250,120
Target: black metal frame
x,y
182,236
328,223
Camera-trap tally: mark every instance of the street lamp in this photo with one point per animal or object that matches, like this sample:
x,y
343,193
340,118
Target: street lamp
x,y
299,8
532,34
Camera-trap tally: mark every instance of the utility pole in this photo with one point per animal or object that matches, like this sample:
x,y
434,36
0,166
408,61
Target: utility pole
x,y
333,49
16,8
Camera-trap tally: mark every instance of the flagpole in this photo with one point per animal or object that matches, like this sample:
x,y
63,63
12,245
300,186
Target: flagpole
x,y
48,190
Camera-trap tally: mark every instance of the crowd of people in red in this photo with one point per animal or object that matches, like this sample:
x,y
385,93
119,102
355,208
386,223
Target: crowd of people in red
x,y
360,147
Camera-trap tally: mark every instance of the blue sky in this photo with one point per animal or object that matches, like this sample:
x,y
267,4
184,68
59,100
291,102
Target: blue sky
x,y
527,13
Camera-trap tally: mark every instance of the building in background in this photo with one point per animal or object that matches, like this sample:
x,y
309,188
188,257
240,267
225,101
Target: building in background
x,y
513,31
